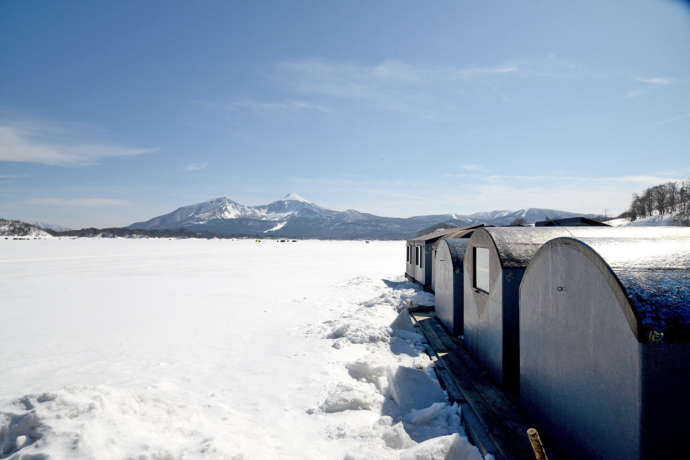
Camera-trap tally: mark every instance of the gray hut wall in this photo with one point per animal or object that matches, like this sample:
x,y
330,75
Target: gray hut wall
x,y
580,366
435,262
449,294
483,312
428,265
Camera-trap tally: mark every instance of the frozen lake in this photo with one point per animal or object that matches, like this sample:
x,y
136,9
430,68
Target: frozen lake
x,y
162,349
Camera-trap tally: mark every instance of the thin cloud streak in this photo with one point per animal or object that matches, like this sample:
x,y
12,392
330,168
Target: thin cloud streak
x,y
281,106
196,166
33,143
634,93
655,80
389,85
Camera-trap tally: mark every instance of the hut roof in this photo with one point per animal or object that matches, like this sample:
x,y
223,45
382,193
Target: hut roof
x,y
655,275
456,247
517,245
433,236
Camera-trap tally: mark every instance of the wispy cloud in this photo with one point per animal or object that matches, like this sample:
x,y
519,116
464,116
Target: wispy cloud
x,y
290,105
196,166
13,176
79,202
349,79
634,93
390,84
430,92
654,80
51,145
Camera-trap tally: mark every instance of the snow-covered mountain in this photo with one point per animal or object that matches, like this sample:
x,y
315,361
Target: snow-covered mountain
x,y
49,226
17,228
297,217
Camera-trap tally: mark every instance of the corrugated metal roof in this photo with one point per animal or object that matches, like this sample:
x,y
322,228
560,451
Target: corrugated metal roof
x,y
457,247
655,273
517,245
430,237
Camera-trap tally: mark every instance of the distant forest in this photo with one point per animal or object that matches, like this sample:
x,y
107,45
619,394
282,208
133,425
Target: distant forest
x,y
672,198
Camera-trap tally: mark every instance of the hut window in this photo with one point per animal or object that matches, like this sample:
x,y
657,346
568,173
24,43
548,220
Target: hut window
x,y
481,269
416,255
408,254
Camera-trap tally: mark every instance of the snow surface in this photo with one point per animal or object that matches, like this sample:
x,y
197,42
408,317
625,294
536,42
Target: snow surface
x,y
656,220
171,349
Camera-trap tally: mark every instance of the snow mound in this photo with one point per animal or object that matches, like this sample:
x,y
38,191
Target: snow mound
x,y
413,388
401,299
358,331
439,419
396,437
451,447
403,322
366,371
346,397
102,422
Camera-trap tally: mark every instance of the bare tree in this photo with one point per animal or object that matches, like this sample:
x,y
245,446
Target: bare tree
x,y
672,199
669,198
660,196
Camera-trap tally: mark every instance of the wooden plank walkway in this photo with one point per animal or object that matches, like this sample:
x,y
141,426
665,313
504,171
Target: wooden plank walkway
x,y
493,421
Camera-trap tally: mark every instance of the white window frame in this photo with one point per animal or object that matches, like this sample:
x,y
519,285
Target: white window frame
x,y
487,258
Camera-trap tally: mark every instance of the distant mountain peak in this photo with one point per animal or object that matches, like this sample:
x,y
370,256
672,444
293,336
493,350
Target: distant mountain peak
x,y
292,196
295,216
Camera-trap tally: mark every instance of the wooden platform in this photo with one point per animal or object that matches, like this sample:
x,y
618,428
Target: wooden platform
x,y
493,422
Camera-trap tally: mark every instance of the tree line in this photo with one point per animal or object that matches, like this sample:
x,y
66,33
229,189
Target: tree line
x,y
669,198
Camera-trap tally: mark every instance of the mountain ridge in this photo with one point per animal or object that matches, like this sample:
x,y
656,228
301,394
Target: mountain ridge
x,y
294,216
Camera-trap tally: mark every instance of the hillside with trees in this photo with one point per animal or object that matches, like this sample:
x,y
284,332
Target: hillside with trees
x,y
670,200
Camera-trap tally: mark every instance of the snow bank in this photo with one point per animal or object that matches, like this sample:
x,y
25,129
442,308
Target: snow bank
x,y
214,349
392,378
656,220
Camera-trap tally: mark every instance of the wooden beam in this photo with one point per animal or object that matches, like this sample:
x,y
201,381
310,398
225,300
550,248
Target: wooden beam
x,y
493,421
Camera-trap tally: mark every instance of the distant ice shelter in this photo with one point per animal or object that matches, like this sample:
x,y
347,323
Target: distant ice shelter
x,y
420,251
571,222
449,253
605,345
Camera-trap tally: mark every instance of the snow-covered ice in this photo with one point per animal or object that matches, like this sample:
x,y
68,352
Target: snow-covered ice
x,y
172,349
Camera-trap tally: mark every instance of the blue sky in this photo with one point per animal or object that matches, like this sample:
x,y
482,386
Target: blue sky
x,y
113,112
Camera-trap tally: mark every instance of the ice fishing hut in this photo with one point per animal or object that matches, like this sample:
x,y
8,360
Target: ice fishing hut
x,y
571,222
449,253
420,255
605,345
495,260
